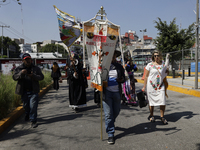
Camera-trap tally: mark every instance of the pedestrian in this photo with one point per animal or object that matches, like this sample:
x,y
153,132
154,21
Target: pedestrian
x,y
77,87
13,68
28,76
131,68
112,101
156,72
56,75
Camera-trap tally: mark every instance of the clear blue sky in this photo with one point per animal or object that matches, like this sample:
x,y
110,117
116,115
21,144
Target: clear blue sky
x,y
40,20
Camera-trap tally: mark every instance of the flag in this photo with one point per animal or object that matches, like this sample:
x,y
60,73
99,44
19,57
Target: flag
x,y
100,40
69,33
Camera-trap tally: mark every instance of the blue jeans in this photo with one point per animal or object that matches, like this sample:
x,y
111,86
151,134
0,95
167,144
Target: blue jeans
x,y
30,104
111,106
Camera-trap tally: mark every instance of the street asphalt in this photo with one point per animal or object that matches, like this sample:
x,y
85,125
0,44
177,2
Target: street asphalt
x,y
60,128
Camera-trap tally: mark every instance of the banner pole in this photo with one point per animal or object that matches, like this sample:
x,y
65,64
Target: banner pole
x,y
120,45
84,66
101,115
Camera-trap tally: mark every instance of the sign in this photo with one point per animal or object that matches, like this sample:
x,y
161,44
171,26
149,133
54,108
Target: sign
x,y
100,41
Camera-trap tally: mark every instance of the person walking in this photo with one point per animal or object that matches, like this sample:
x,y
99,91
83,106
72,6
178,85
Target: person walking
x,y
77,87
131,68
112,101
28,76
13,68
154,81
55,74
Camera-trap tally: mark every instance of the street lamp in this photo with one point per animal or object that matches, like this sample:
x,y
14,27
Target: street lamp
x,y
145,30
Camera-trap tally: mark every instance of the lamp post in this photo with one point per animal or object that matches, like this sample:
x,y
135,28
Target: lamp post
x,y
197,45
145,30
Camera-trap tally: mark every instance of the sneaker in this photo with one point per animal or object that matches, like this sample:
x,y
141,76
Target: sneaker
x,y
26,118
111,140
34,125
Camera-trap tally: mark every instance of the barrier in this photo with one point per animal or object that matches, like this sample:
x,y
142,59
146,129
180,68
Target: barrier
x,y
88,78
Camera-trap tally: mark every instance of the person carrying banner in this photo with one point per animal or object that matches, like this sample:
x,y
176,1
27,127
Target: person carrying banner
x,y
28,76
112,101
55,74
77,90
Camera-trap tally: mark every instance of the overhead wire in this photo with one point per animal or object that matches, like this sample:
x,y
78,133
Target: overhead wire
x,y
17,33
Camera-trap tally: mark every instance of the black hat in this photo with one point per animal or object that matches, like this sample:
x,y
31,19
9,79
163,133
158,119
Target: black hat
x,y
26,55
117,52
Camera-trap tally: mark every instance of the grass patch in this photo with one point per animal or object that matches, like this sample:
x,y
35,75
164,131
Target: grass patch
x,y
176,73
8,99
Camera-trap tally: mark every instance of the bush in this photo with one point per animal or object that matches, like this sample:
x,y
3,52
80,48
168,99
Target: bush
x,y
8,99
176,73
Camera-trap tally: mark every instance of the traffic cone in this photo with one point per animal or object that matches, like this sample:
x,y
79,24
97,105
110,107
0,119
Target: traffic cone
x,y
88,77
143,74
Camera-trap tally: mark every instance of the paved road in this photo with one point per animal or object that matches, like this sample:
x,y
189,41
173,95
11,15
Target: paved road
x,y
62,129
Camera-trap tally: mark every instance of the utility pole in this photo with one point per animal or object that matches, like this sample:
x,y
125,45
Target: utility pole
x,y
145,30
197,45
2,39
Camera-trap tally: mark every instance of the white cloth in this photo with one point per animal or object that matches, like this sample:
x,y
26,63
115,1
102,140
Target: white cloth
x,y
112,83
155,85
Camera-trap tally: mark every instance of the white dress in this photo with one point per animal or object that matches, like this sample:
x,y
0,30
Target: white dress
x,y
155,85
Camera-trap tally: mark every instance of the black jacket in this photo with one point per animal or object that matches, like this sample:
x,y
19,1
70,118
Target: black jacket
x,y
120,75
56,74
18,76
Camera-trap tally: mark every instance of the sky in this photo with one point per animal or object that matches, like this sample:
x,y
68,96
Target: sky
x,y
36,20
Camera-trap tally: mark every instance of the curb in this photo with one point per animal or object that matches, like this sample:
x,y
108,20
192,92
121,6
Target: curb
x,y
6,122
178,89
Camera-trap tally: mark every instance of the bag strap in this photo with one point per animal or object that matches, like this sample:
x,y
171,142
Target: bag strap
x,y
157,70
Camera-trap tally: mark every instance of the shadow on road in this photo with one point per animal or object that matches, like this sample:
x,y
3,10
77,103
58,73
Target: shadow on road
x,y
149,127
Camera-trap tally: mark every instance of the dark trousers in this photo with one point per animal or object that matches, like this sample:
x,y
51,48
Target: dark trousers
x,y
55,83
30,104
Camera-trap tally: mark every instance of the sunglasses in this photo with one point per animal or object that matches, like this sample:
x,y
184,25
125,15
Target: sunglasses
x,y
156,55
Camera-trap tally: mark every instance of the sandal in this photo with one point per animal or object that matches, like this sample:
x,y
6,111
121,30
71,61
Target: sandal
x,y
151,118
164,121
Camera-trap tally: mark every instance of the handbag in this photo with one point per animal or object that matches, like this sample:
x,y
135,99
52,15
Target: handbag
x,y
60,81
141,98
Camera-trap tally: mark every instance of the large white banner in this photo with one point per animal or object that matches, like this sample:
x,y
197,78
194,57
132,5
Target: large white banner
x,y
100,41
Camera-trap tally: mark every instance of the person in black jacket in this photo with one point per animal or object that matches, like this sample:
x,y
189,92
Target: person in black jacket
x,y
28,76
55,74
112,101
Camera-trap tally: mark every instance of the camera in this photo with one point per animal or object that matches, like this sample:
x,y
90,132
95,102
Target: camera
x,y
28,71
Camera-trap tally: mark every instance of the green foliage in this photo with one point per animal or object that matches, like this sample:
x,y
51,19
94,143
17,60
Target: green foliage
x,y
170,38
6,42
52,48
47,79
8,99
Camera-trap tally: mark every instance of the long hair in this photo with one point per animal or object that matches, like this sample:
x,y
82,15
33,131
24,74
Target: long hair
x,y
55,66
159,53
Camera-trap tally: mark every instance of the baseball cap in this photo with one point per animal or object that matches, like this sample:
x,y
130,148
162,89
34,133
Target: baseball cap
x,y
26,55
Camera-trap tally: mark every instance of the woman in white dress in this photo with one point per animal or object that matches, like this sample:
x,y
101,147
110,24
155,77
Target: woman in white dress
x,y
156,71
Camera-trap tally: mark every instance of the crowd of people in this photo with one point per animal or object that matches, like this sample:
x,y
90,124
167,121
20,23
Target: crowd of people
x,y
120,81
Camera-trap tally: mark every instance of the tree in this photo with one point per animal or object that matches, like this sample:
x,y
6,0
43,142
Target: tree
x,y
172,39
6,42
52,48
